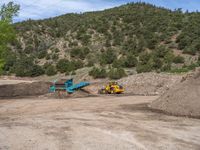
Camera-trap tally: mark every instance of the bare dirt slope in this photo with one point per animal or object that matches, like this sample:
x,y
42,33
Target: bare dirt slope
x,y
19,89
183,99
96,123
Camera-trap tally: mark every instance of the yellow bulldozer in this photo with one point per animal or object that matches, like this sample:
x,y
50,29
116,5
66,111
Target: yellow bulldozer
x,y
112,88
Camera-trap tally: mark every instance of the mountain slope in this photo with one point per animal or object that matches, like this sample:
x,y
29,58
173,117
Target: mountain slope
x,y
133,35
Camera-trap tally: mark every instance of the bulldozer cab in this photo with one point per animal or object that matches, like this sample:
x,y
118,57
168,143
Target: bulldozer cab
x,y
112,88
113,83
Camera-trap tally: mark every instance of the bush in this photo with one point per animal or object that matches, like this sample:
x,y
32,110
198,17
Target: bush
x,y
64,65
143,68
98,73
55,56
37,71
131,61
25,67
42,54
179,59
29,49
189,50
108,57
119,63
77,64
80,53
116,73
50,70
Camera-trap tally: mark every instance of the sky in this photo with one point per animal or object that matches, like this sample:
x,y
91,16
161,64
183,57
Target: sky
x,y
40,9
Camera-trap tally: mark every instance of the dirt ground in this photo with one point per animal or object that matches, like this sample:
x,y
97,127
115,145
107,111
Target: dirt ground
x,y
93,123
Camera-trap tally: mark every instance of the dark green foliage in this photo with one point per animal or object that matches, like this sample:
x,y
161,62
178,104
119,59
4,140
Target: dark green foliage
x,y
131,61
10,60
98,73
119,63
77,64
144,68
29,49
189,50
25,67
42,54
145,63
158,60
50,70
80,53
64,65
55,57
85,38
116,73
108,57
179,59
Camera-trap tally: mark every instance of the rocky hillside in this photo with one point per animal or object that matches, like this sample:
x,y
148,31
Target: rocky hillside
x,y
137,35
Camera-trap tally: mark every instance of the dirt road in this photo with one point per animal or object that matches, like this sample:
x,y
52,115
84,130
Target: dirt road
x,y
95,123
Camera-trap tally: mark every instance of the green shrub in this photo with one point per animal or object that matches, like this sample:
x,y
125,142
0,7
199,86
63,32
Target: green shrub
x,y
143,68
50,70
77,64
131,61
108,57
179,59
119,63
116,73
37,71
64,65
189,50
24,67
55,56
29,49
98,73
80,53
42,54
48,56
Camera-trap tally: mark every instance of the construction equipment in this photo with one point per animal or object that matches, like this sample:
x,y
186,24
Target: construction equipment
x,y
112,88
67,86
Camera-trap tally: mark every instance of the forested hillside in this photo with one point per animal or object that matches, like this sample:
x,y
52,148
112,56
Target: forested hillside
x,y
136,35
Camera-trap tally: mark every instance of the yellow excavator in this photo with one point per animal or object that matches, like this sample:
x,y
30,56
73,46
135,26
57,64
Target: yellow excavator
x,y
112,88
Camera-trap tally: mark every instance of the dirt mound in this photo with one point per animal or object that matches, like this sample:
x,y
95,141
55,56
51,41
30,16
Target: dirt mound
x,y
24,89
183,99
149,83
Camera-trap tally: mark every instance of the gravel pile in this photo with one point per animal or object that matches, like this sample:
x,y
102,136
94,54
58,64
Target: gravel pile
x,y
183,99
149,83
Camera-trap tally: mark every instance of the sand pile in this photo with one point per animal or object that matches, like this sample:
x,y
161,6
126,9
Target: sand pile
x,y
182,99
24,89
149,83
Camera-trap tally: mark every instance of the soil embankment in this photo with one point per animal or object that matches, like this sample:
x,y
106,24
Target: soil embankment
x,y
24,89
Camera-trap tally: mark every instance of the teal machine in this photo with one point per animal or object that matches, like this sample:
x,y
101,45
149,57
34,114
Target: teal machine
x,y
68,86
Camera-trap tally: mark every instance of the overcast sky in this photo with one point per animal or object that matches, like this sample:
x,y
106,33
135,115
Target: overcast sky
x,y
39,9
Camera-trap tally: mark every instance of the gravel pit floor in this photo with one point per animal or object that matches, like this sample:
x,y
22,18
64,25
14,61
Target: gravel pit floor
x,y
93,123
